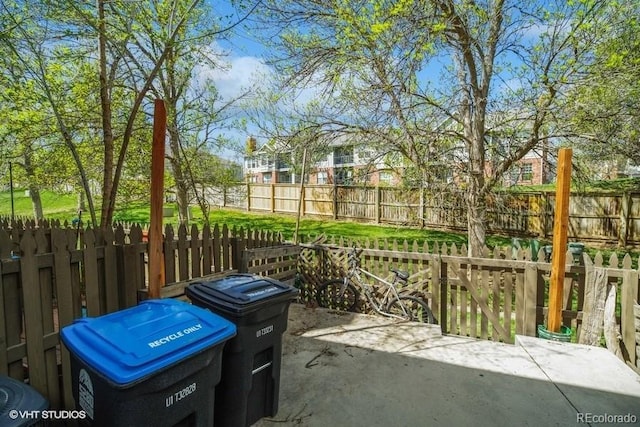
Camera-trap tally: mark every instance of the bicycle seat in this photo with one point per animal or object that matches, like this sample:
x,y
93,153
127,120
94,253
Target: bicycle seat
x,y
403,275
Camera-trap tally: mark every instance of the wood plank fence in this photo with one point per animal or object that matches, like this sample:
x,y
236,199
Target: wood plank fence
x,y
605,218
492,297
50,276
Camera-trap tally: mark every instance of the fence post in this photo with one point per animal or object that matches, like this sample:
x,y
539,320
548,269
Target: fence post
x,y
422,208
273,197
335,199
623,232
544,206
377,204
237,260
248,197
33,326
629,294
439,303
530,299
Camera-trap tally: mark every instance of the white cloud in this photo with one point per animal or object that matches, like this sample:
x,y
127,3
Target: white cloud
x,y
235,74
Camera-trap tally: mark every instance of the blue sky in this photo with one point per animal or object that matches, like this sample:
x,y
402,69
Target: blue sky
x,y
244,65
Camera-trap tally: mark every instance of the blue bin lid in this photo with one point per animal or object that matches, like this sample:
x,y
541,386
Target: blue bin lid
x,y
131,344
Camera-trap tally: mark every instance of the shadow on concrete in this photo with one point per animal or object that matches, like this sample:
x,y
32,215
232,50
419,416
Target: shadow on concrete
x,y
354,370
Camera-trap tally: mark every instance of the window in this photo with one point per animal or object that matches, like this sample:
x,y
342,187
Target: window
x,y
386,177
284,177
527,172
323,177
344,176
267,162
266,178
514,175
252,163
343,155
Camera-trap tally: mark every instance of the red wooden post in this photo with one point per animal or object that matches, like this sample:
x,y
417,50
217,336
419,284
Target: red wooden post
x,y
156,260
560,228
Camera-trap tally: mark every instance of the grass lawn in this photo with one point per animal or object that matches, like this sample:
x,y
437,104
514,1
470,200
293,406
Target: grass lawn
x,y
56,206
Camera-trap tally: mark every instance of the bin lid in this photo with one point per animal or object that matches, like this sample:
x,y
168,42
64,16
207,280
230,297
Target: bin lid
x,y
131,344
241,291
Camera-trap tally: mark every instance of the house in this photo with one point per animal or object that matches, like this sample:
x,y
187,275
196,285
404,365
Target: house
x,y
341,161
345,160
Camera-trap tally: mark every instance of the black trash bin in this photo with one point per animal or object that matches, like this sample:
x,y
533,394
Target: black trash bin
x,y
20,404
250,383
154,365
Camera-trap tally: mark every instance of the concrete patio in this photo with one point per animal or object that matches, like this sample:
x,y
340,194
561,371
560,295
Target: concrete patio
x,y
344,369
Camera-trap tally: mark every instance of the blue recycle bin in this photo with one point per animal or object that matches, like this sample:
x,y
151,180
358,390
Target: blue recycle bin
x,y
251,361
20,404
156,364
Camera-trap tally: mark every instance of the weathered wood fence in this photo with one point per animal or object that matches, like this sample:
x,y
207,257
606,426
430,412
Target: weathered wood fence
x,y
593,217
491,297
51,275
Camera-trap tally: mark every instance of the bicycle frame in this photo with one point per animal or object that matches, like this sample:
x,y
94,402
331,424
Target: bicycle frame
x,y
378,304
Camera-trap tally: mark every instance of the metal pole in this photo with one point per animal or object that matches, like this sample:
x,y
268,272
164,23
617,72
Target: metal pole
x,y
301,198
13,210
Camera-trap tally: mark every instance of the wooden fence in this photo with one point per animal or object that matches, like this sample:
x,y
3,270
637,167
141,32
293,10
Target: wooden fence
x,y
593,217
492,297
50,276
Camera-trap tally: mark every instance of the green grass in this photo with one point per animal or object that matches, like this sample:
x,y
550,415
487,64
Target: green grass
x,y
55,205
352,230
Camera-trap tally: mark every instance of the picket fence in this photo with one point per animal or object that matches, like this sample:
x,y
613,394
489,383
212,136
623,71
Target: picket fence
x,y
496,296
51,274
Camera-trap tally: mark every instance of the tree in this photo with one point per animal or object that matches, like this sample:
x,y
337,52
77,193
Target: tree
x,y
147,55
126,66
195,109
606,107
435,80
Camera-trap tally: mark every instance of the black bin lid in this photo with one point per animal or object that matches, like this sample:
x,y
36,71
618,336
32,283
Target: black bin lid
x,y
241,291
16,395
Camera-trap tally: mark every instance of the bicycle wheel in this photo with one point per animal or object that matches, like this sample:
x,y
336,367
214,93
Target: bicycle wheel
x,y
411,308
328,295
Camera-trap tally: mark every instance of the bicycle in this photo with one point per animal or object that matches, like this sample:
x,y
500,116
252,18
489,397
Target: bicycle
x,y
343,294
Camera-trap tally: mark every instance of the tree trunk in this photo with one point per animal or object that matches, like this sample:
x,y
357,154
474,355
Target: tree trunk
x,y
476,201
476,218
107,133
182,197
34,190
182,183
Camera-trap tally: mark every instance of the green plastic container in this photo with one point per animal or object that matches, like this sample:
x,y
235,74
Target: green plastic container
x,y
563,336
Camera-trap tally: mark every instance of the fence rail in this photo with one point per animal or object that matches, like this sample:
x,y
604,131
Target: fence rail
x,y
593,217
